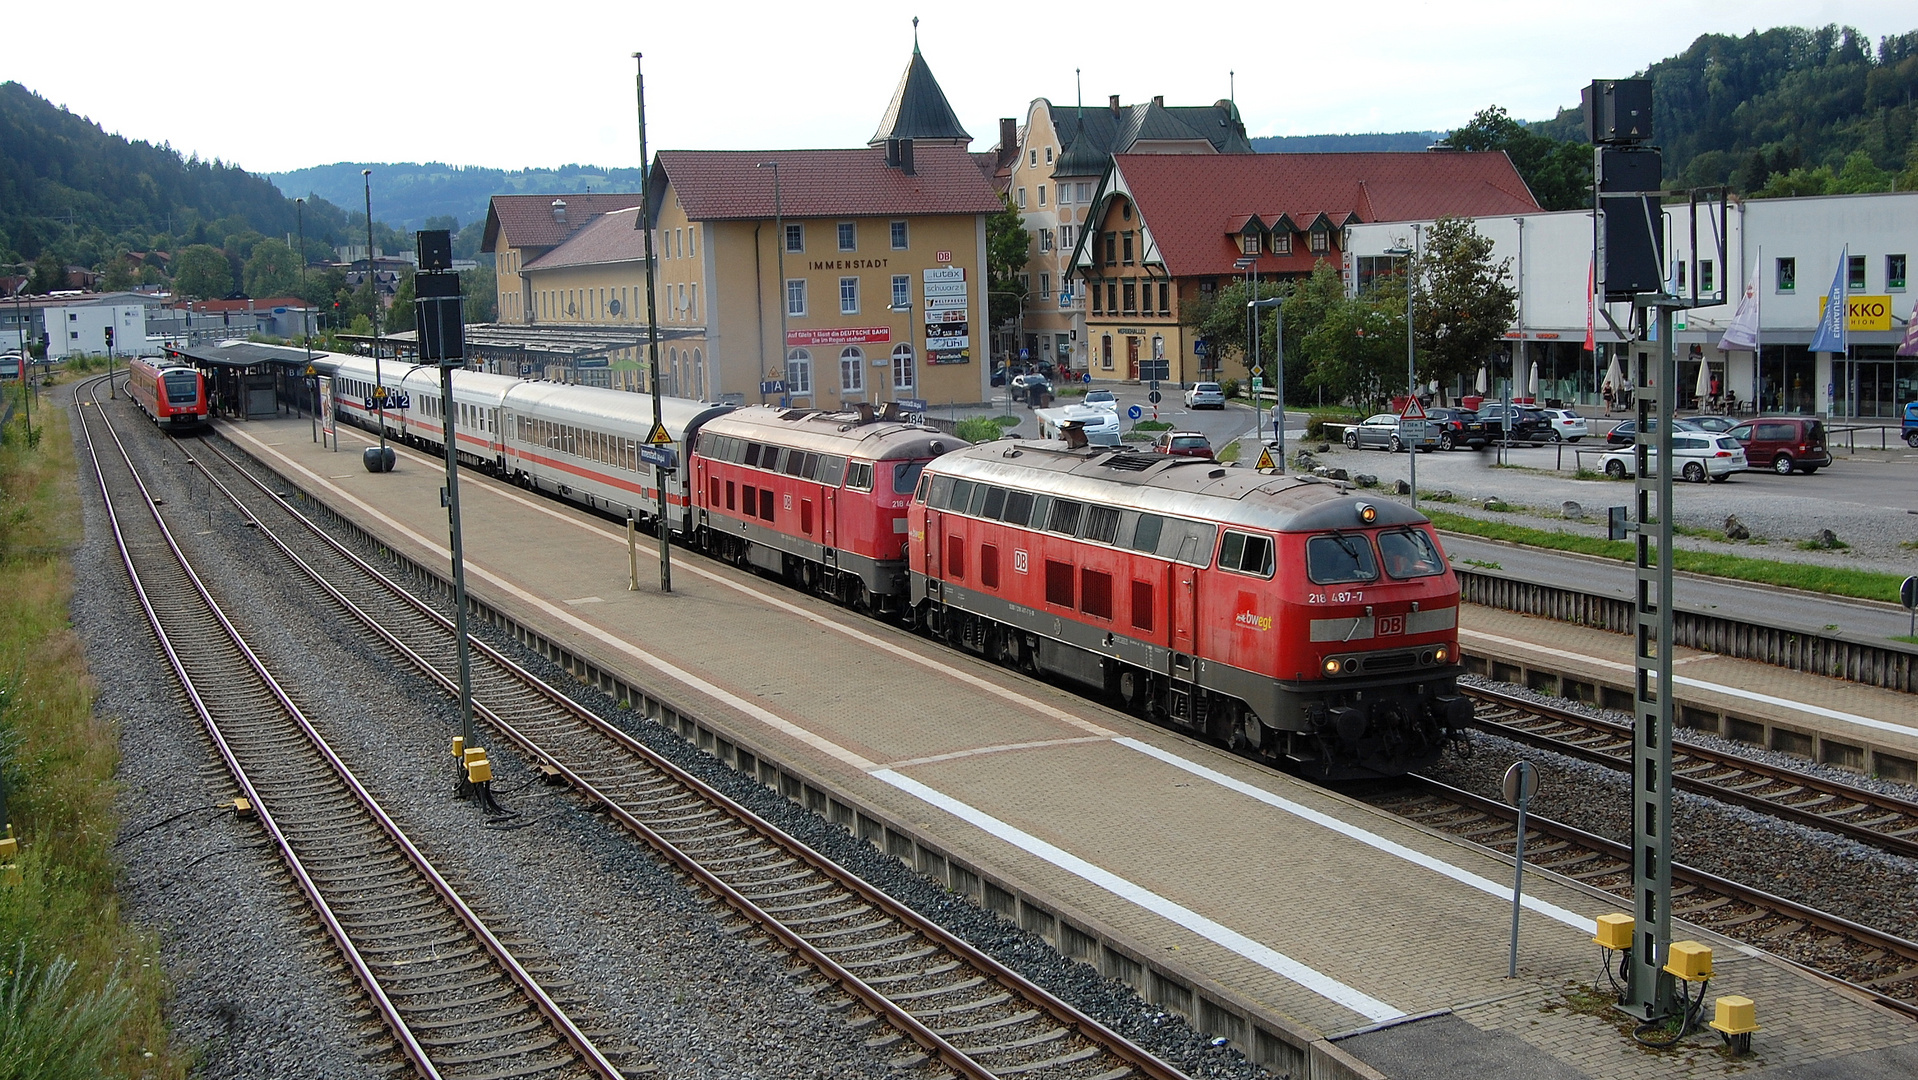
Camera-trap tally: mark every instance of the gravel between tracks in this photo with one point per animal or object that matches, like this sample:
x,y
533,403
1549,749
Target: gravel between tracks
x,y
647,963
1812,867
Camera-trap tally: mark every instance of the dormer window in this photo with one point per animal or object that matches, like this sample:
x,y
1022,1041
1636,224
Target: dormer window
x,y
1281,243
1320,242
1249,243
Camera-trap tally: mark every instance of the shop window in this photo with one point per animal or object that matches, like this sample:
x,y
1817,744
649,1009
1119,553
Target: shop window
x,y
1785,278
1894,271
1855,273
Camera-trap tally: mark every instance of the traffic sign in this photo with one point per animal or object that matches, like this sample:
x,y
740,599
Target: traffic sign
x,y
1086,378
659,436
661,456
1134,412
1155,397
1521,783
1265,459
311,370
1413,410
1258,384
1025,354
1908,593
1257,371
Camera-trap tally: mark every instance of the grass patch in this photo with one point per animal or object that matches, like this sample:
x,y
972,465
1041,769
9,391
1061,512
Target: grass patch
x,y
1819,545
1006,421
1702,534
1230,452
82,996
1837,581
978,429
1582,473
1152,425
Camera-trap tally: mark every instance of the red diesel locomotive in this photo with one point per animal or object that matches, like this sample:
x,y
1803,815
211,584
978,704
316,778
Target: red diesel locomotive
x,y
1282,615
170,392
818,498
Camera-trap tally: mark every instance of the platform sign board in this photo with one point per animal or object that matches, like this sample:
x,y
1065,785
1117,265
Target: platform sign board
x,y
914,408
772,386
657,456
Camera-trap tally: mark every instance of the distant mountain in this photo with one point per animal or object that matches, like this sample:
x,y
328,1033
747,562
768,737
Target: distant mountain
x,y
406,194
1345,144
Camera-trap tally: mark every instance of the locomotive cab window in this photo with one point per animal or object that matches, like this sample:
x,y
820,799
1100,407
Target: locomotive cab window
x,y
905,474
1339,557
1246,554
1018,509
859,476
1409,554
995,507
832,469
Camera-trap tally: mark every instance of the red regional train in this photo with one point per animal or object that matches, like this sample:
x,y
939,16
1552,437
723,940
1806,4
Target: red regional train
x,y
1282,615
172,393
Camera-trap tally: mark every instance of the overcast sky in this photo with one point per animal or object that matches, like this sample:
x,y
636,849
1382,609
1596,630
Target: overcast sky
x,y
275,87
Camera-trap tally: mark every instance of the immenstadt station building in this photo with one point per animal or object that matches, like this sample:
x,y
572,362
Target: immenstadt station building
x,y
821,278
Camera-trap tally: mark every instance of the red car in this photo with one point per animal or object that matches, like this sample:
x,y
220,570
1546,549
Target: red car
x,y
1183,444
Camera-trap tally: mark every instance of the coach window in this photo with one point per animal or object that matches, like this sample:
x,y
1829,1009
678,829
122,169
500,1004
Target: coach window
x,y
995,503
1145,536
939,494
980,492
832,469
1409,554
961,496
1339,558
1246,554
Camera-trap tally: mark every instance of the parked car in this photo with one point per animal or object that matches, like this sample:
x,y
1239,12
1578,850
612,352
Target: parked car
x,y
1786,443
10,368
1386,432
1623,434
1911,423
1701,455
1025,383
1567,425
1205,395
1183,444
1715,424
1458,427
1102,399
1528,425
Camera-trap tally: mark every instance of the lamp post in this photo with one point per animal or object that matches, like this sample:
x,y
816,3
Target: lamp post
x,y
373,284
1411,377
1277,304
652,330
306,330
779,250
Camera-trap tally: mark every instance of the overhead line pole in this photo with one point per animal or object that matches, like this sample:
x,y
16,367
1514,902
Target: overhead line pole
x,y
652,326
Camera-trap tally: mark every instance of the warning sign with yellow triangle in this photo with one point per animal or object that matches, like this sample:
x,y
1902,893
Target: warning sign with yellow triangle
x,y
1265,459
659,436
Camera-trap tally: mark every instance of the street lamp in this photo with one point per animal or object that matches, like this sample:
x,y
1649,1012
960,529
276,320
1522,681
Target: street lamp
x,y
779,247
306,331
1277,304
1411,377
373,283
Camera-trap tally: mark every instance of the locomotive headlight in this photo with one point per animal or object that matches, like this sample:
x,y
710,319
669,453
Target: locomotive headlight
x,y
1368,513
1332,666
1440,654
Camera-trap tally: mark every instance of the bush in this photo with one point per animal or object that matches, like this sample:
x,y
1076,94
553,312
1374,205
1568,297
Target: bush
x,y
1230,387
1152,425
978,429
1315,428
51,1027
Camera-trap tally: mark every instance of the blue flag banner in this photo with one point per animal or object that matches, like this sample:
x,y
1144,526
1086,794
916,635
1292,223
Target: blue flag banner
x,y
1832,325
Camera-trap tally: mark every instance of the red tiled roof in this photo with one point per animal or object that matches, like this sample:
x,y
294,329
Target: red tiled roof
x,y
608,238
1186,199
526,221
727,184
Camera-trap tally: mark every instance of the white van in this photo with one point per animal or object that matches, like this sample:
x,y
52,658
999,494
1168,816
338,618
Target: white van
x,y
1101,426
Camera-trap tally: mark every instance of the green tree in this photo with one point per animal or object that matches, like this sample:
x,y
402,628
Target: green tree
x,y
479,289
1558,172
1223,322
202,272
274,270
49,273
1008,248
1464,300
120,273
399,317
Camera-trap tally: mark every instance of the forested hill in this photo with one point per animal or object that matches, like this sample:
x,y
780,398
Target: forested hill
x,y
69,187
1751,110
406,194
1345,144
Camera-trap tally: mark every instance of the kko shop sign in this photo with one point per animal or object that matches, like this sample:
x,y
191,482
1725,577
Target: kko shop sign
x,y
839,335
949,315
1862,312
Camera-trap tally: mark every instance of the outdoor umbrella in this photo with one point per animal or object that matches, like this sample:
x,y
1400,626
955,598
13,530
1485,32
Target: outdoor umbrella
x,y
1615,378
1534,383
1481,380
1704,387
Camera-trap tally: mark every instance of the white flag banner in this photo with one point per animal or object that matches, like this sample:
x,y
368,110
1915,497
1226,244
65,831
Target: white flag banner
x,y
1743,331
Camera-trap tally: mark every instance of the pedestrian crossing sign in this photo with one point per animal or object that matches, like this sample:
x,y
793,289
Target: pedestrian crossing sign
x,y
659,436
1265,459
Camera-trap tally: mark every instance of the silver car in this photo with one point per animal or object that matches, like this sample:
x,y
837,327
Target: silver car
x,y
1701,456
1387,432
1205,395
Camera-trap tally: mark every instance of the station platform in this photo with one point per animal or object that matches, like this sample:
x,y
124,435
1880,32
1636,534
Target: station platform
x,y
1323,937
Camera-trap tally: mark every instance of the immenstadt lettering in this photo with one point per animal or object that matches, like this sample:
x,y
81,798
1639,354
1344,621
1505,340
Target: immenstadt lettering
x,y
848,264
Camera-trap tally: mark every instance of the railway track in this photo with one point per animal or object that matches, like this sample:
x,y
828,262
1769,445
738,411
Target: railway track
x,y
958,1006
1883,966
1879,820
456,1001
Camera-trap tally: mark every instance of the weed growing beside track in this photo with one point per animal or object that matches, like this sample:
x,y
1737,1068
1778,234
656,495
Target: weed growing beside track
x,y
1837,581
80,990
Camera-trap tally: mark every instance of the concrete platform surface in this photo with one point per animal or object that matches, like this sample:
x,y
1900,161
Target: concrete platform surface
x,y
1328,914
